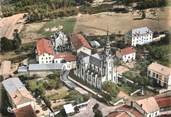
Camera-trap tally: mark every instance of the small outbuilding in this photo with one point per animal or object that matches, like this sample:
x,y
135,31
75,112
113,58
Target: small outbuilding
x,y
69,109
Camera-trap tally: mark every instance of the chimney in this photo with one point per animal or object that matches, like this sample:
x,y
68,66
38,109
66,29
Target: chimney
x,y
141,105
132,104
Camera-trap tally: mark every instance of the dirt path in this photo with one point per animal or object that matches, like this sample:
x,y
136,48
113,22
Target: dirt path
x,y
9,24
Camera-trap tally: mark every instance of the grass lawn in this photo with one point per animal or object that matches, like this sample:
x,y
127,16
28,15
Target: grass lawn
x,y
61,93
68,24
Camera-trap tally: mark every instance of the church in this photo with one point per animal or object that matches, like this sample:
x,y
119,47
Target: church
x,y
97,68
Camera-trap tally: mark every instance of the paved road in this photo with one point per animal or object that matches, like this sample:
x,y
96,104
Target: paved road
x,y
88,112
70,84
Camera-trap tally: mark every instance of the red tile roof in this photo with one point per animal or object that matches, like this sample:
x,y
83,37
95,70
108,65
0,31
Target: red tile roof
x,y
126,51
124,113
118,114
78,41
44,46
26,111
66,56
163,101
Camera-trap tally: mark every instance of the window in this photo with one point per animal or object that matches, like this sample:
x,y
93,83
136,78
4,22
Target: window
x,y
157,75
153,74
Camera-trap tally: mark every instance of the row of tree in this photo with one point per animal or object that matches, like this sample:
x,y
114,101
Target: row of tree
x,y
42,9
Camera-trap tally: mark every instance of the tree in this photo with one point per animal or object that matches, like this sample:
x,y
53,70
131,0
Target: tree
x,y
111,88
17,39
97,112
47,102
6,44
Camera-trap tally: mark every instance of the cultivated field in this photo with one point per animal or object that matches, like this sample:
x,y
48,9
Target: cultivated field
x,y
34,31
97,24
29,33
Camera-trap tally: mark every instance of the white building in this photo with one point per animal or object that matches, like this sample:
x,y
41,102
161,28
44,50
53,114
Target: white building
x,y
160,74
127,54
140,36
44,51
59,40
148,107
18,95
46,54
96,68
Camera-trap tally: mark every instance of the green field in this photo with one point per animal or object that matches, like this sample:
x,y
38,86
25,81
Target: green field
x,y
67,23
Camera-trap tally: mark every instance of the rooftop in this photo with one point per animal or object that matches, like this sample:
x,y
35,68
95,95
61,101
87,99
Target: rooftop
x,y
52,66
163,101
141,31
160,68
17,91
125,51
148,104
125,111
44,46
66,56
5,68
26,111
69,108
79,41
121,69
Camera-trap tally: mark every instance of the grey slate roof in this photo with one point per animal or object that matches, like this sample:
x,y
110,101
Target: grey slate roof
x,y
39,67
141,31
17,91
96,60
12,84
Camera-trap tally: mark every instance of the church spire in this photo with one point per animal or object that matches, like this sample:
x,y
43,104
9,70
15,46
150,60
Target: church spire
x,y
107,48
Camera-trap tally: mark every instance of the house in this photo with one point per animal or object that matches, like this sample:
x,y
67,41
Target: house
x,y
96,68
149,106
5,68
26,111
164,102
18,95
47,55
140,36
44,51
120,70
67,58
69,109
79,43
159,74
125,111
59,40
127,54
